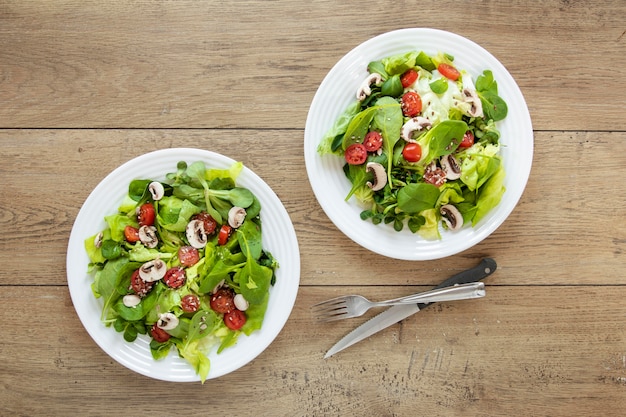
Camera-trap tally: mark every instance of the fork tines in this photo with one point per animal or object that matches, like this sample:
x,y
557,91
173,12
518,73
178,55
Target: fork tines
x,y
330,310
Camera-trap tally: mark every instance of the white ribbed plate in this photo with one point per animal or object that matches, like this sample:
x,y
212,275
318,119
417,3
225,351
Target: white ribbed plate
x,y
279,238
337,91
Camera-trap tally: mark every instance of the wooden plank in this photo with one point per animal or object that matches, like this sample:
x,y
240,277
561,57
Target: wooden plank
x,y
555,351
567,229
213,65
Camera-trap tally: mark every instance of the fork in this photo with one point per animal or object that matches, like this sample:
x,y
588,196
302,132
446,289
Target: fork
x,y
349,306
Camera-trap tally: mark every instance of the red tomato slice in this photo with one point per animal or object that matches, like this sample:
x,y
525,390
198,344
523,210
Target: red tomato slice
x,y
159,334
223,300
373,141
356,154
209,222
449,71
190,303
468,139
224,234
235,319
408,78
411,103
175,277
146,214
131,234
412,152
188,256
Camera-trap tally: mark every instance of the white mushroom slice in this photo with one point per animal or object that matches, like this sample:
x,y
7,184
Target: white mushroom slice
x,y
416,124
240,302
131,300
157,190
476,106
196,234
365,88
236,216
97,241
451,167
380,176
218,286
451,216
152,270
167,321
148,236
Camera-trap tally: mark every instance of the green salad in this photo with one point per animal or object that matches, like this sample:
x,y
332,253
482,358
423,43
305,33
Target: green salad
x,y
182,261
421,144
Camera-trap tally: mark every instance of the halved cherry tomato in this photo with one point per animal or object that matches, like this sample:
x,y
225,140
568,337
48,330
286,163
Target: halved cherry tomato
x,y
190,303
131,234
373,141
159,334
141,287
468,139
223,300
412,152
146,214
188,256
449,71
210,225
175,277
235,319
224,234
411,103
408,78
356,154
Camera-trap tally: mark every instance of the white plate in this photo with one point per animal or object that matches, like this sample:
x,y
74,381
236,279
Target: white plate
x,y
279,238
337,91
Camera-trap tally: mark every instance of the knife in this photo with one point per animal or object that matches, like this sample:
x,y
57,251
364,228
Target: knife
x,y
394,314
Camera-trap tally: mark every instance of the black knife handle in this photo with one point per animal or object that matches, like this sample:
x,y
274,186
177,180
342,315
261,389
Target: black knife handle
x,y
481,271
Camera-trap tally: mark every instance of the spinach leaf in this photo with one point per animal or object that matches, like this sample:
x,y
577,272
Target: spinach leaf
x,y
392,87
416,197
494,106
358,127
388,120
439,86
441,140
249,237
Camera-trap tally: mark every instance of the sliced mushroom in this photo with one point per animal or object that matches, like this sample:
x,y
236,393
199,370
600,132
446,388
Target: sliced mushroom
x,y
196,234
148,236
236,216
97,241
157,190
451,167
167,321
451,216
152,270
380,176
476,106
240,302
416,124
131,300
218,286
365,88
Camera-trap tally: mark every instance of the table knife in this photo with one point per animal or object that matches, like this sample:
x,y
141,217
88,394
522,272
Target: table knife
x,y
397,313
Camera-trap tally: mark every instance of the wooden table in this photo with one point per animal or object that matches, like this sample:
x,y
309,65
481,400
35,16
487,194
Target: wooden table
x,y
86,86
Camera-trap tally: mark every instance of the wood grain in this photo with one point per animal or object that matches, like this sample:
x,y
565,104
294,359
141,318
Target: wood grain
x,y
520,348
87,85
258,64
567,229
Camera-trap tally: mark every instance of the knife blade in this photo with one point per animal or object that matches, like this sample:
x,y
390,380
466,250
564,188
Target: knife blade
x,y
394,314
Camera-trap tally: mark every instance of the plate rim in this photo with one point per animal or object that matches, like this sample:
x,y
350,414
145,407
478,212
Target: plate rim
x,y
181,370
346,69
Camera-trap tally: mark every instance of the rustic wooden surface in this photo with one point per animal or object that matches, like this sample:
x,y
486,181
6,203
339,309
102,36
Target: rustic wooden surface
x,y
87,85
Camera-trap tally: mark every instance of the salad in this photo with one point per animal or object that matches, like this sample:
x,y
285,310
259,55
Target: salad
x,y
421,144
182,261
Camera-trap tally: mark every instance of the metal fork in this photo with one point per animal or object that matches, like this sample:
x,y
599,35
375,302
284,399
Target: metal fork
x,y
349,306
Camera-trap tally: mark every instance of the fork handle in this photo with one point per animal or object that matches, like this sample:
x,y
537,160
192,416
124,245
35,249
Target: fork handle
x,y
455,292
